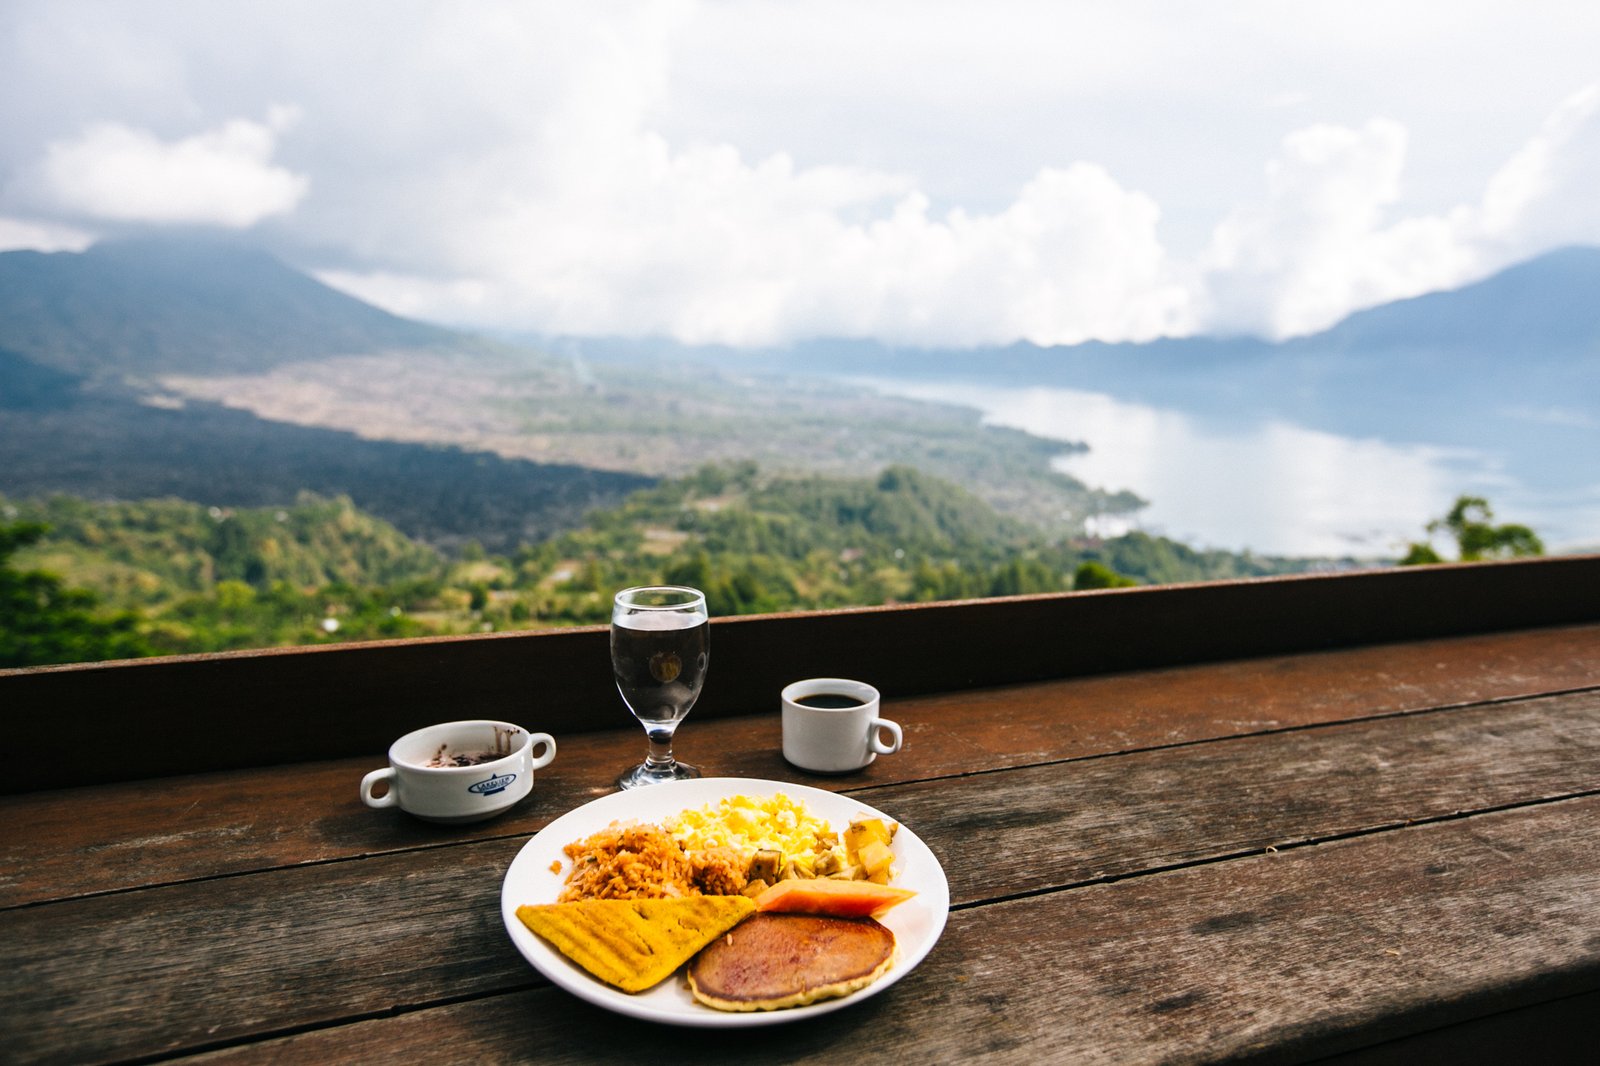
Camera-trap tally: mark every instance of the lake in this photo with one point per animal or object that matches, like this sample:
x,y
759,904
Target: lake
x,y
1269,486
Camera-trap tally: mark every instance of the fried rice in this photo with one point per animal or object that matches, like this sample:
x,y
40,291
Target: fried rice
x,y
638,861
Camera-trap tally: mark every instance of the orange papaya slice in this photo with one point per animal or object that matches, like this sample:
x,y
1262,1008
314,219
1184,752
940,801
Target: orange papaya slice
x,y
841,899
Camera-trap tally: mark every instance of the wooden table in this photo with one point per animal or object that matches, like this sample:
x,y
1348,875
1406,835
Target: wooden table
x,y
1369,851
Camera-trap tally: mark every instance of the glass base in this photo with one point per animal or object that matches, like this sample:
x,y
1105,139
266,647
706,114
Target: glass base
x,y
660,773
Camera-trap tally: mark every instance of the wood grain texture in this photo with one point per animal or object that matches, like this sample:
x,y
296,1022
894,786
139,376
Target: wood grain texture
x,y
1082,821
205,962
154,971
128,835
1356,943
1322,948
146,718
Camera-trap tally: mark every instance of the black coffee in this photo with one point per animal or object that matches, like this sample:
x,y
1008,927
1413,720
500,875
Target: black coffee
x,y
832,701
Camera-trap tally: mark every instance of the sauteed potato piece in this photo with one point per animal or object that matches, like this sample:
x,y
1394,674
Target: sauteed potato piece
x,y
765,864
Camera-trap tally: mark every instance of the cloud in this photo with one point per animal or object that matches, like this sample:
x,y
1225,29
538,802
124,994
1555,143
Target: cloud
x,y
1322,243
755,173
41,236
707,247
1545,191
1306,254
591,220
115,173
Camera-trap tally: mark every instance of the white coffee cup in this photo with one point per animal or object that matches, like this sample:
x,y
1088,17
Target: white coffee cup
x,y
451,793
831,725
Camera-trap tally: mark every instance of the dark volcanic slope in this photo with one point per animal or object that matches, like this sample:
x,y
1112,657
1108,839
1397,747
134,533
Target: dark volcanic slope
x,y
75,327
54,439
155,306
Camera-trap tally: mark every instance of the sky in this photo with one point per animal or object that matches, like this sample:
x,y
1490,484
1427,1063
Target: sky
x,y
757,173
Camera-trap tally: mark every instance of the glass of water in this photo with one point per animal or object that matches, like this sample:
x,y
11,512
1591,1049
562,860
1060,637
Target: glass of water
x,y
660,642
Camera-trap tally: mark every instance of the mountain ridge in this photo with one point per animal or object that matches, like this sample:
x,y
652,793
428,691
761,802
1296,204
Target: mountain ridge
x,y
145,306
83,336
1505,365
1554,296
222,306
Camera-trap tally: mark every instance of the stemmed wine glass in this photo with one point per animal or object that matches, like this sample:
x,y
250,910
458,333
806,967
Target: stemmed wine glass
x,y
660,642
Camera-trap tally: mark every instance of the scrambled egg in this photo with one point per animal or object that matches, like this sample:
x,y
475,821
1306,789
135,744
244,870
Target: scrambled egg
x,y
755,823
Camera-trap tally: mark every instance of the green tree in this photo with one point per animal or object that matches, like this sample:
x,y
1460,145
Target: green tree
x,y
42,621
1020,577
1093,575
1470,523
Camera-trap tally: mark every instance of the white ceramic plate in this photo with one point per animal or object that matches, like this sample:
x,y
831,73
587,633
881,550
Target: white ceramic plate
x,y
916,923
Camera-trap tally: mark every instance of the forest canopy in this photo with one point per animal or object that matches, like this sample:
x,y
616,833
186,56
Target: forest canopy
x,y
165,576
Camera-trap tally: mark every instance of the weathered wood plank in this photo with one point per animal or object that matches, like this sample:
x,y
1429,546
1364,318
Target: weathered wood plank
x,y
1098,818
1284,957
150,972
229,958
60,845
156,718
1320,948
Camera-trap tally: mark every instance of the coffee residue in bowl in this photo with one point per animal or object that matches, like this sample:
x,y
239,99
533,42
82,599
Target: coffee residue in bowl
x,y
502,747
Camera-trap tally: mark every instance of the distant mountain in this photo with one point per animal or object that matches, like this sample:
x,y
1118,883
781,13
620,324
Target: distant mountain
x,y
79,332
163,305
1497,383
1509,364
1547,308
1543,308
1522,345
115,448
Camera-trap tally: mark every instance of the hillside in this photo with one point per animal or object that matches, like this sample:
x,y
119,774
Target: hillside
x,y
85,337
220,374
152,306
117,448
196,578
1546,308
1444,366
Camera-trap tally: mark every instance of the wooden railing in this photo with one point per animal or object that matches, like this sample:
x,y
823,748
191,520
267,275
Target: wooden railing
x,y
155,717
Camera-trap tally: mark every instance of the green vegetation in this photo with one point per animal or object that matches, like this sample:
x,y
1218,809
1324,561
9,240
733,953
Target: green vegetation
x,y
42,621
1092,575
1470,524
172,576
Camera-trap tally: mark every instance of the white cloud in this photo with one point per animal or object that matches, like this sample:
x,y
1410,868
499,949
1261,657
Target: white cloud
x,y
1322,244
1546,191
590,220
706,247
940,174
18,233
1305,255
222,177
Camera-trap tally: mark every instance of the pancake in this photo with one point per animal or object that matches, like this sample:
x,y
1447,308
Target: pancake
x,y
634,943
772,961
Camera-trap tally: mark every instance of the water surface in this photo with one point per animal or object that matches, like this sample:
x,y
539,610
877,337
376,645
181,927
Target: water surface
x,y
1268,486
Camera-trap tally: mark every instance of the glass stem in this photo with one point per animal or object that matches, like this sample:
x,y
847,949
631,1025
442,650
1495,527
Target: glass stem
x,y
660,748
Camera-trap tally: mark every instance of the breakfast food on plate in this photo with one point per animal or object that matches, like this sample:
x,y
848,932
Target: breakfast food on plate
x,y
645,862
642,899
842,899
738,844
778,835
635,944
627,862
773,961
866,845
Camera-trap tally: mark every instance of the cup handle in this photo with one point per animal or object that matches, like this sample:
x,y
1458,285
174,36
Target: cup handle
x,y
389,798
875,739
549,742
